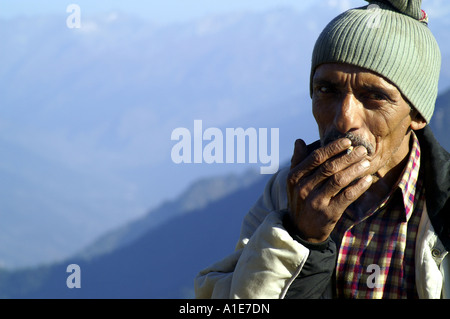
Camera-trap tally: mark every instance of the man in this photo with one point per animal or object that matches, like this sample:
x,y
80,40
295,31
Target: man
x,y
365,211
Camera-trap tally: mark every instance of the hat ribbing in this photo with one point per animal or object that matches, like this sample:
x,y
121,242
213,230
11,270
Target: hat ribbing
x,y
388,40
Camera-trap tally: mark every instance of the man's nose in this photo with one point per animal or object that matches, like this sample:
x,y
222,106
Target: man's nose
x,y
348,116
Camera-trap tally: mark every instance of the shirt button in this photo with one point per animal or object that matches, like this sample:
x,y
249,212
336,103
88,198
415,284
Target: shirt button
x,y
435,253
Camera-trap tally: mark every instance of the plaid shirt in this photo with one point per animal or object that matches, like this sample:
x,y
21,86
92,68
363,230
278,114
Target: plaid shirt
x,y
384,238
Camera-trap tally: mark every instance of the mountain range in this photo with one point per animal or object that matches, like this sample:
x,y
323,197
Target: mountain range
x,y
160,263
87,114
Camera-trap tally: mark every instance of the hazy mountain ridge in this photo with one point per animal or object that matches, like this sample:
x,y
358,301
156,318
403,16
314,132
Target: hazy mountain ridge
x,y
196,197
87,114
90,102
161,263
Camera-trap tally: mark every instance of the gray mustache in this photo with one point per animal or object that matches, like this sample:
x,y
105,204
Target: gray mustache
x,y
356,140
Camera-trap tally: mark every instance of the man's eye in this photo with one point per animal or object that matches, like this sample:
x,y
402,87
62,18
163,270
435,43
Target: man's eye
x,y
376,96
324,89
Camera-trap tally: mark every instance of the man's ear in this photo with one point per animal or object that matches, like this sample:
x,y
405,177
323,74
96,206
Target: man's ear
x,y
417,121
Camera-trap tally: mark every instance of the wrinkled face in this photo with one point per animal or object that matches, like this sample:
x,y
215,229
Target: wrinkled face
x,y
361,105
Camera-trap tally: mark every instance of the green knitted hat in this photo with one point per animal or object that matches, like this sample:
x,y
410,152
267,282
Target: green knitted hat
x,y
390,38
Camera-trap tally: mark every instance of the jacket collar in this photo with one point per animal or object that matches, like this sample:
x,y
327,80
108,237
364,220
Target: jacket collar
x,y
435,169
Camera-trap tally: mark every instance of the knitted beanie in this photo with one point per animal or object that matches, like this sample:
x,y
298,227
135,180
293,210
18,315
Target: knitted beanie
x,y
390,38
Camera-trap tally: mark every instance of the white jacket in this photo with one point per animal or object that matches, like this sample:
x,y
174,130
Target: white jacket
x,y
267,259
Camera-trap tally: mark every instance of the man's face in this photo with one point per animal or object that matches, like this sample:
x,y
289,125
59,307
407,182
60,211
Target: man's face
x,y
356,103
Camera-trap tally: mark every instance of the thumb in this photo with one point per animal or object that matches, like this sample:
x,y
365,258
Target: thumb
x,y
300,153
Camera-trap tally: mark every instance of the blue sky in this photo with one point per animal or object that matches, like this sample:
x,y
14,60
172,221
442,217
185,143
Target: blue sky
x,y
161,11
170,11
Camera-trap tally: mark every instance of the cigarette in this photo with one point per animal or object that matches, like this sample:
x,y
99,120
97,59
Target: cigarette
x,y
350,149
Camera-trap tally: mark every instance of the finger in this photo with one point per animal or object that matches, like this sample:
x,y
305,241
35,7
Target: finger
x,y
353,192
335,165
317,158
337,182
337,173
299,152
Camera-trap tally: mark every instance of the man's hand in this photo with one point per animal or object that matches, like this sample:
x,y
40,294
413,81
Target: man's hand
x,y
323,184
